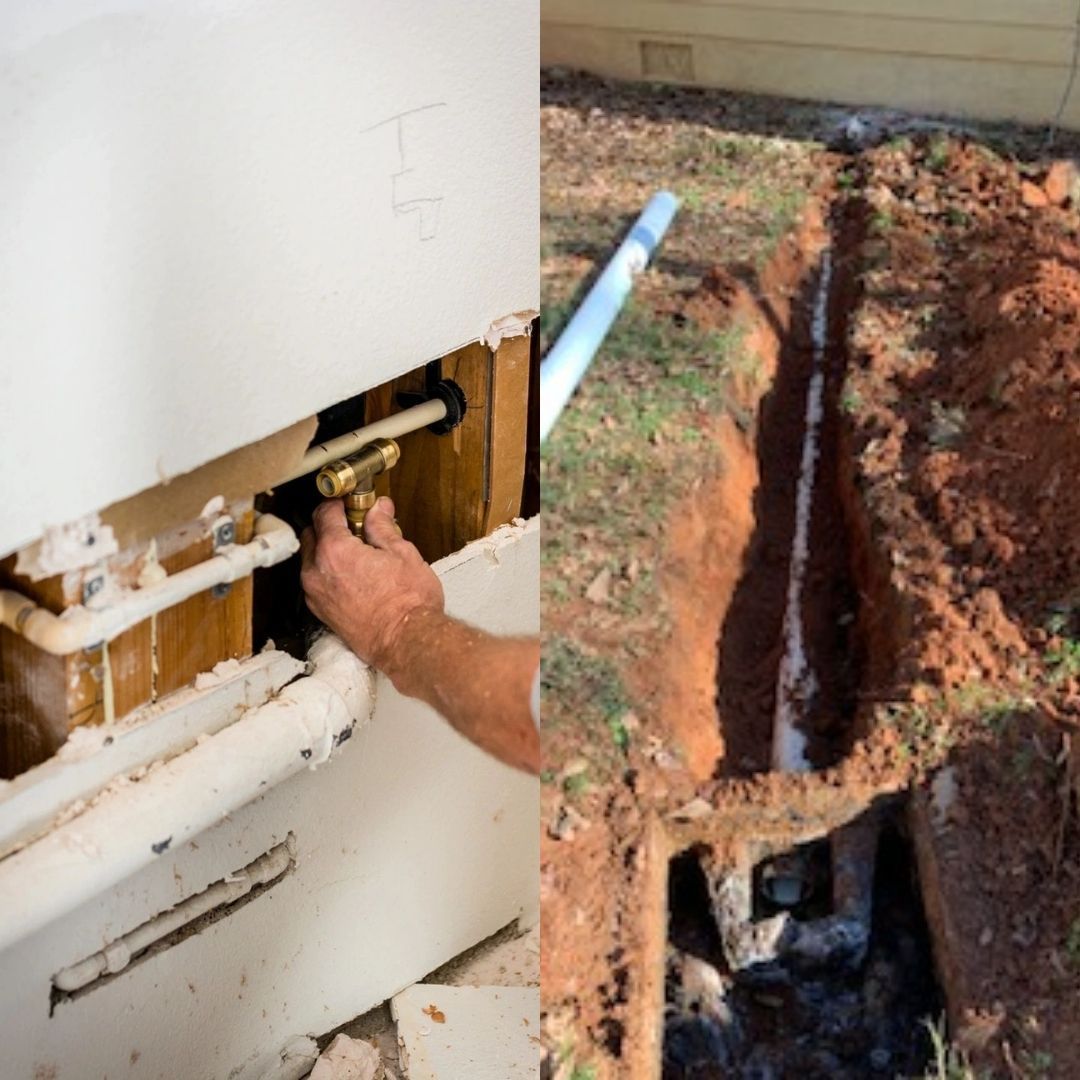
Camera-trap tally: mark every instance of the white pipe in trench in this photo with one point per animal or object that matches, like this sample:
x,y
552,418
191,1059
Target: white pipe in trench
x,y
796,684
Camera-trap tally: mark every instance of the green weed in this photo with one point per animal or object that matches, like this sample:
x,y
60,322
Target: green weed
x,y
950,1063
937,153
1063,660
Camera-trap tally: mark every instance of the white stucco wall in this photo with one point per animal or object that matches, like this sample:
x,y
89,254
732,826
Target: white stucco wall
x,y
218,217
411,845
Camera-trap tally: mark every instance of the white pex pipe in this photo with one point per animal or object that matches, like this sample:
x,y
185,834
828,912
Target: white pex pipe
x,y
390,427
82,627
571,355
796,683
126,830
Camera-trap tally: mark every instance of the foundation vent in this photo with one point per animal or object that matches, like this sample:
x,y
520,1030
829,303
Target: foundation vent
x,y
666,60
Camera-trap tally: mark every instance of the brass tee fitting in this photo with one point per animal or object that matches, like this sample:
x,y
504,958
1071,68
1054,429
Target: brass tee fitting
x,y
353,480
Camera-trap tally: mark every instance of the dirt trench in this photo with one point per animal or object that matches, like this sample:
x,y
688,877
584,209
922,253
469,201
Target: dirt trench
x,y
803,1009
734,545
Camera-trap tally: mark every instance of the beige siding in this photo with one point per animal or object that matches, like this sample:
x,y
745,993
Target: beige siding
x,y
1005,59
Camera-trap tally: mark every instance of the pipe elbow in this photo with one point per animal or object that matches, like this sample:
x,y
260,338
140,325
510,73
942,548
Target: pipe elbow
x,y
77,629
275,540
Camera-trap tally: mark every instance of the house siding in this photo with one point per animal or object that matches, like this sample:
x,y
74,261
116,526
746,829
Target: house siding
x,y
991,59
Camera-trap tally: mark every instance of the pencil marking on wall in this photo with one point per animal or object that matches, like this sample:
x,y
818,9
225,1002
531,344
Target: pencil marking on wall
x,y
411,193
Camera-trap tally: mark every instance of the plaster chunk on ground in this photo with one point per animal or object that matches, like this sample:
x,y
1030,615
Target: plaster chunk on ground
x,y
485,1032
349,1059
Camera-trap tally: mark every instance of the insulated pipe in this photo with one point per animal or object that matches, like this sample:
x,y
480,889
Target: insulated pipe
x,y
81,628
572,354
126,830
390,427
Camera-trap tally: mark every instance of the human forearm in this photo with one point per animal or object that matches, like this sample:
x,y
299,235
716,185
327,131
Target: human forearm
x,y
386,604
480,683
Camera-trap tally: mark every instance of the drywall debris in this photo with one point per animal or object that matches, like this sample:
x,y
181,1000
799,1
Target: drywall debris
x,y
221,671
297,1057
488,1033
213,508
599,588
508,326
83,742
349,1059
72,546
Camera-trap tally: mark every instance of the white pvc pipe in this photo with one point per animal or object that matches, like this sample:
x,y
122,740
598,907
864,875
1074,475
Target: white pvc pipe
x,y
81,627
390,427
127,829
571,355
796,682
119,953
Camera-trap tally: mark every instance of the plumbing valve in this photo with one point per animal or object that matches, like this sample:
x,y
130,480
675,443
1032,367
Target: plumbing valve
x,y
353,480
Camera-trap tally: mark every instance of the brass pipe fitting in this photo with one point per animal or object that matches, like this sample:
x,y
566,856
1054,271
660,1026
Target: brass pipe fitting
x,y
353,480
357,504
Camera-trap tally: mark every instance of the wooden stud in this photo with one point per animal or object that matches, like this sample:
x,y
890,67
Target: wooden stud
x,y
194,636
508,424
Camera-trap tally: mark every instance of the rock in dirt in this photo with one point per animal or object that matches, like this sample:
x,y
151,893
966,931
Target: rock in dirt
x,y
1061,183
694,810
1033,195
349,1059
568,822
599,588
943,792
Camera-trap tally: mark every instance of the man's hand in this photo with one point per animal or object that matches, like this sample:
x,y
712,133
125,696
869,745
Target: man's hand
x,y
366,593
386,604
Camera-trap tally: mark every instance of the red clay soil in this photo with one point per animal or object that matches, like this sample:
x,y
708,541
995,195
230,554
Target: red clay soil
x,y
965,398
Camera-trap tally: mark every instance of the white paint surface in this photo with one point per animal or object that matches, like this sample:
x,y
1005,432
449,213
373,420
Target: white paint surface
x,y
411,845
218,217
486,1033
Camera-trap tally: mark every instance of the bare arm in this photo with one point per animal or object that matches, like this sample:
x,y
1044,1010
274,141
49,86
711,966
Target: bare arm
x,y
386,604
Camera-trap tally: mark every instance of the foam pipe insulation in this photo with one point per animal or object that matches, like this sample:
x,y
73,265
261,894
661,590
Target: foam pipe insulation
x,y
126,829
83,627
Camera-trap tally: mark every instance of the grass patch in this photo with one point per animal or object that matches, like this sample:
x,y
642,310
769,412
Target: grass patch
x,y
607,465
588,691
639,432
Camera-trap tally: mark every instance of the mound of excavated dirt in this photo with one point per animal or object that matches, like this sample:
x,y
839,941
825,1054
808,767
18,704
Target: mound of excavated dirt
x,y
964,394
